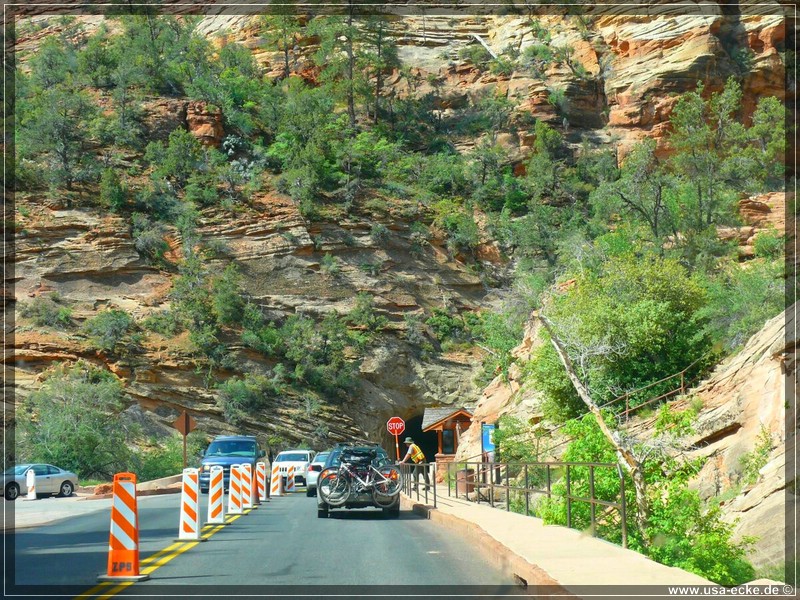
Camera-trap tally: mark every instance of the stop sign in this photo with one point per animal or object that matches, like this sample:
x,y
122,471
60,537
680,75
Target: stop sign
x,y
396,425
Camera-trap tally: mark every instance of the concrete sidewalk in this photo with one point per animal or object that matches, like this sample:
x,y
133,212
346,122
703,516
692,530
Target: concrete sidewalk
x,y
548,555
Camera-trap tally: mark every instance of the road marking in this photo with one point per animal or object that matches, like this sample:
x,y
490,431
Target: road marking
x,y
117,589
160,553
93,591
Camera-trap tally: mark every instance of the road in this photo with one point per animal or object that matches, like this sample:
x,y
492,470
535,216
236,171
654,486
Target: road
x,y
280,547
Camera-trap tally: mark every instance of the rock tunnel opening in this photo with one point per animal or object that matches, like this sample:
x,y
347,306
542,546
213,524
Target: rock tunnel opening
x,y
429,442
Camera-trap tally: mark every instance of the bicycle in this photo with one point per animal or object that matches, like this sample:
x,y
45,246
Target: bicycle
x,y
335,484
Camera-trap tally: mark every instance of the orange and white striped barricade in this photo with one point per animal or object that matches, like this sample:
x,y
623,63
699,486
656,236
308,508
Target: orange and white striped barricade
x,y
216,496
247,485
261,481
123,540
290,478
190,525
276,482
30,481
235,491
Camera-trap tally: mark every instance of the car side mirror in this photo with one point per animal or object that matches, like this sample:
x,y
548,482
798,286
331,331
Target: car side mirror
x,y
262,453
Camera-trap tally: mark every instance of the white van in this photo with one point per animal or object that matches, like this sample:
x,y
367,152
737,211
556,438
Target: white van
x,y
299,459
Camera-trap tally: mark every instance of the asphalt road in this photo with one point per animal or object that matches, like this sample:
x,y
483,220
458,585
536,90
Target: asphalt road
x,y
278,547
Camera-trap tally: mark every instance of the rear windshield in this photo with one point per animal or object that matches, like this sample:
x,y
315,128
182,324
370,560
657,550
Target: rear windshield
x,y
292,456
231,448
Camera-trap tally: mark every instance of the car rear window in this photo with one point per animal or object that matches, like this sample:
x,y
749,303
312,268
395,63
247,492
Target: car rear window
x,y
294,457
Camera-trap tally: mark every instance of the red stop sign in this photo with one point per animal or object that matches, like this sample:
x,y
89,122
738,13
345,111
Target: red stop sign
x,y
396,425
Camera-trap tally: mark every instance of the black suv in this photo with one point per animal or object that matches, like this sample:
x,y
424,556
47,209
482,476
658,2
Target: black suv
x,y
364,498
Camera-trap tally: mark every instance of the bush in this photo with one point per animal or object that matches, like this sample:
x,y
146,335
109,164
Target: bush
x,y
109,329
113,194
379,233
47,311
740,300
73,421
240,398
164,322
148,238
364,314
682,530
769,244
167,457
330,265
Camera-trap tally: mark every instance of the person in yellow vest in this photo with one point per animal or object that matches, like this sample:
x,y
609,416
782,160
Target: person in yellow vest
x,y
416,456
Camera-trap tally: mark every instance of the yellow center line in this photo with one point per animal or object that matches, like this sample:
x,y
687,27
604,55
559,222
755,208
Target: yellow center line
x,y
160,553
213,531
117,589
93,591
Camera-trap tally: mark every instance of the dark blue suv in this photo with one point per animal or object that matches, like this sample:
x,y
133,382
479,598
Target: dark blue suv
x,y
227,450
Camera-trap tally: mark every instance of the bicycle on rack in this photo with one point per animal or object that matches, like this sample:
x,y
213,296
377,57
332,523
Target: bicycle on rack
x,y
358,473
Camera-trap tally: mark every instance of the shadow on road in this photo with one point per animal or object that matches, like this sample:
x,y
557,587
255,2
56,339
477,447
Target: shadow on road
x,y
373,515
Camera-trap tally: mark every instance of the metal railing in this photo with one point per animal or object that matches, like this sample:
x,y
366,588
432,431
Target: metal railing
x,y
412,483
480,476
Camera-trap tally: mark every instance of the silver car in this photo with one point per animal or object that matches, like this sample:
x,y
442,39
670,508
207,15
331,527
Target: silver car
x,y
49,480
312,472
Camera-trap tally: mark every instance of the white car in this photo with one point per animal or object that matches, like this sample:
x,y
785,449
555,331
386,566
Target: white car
x,y
49,480
299,459
312,472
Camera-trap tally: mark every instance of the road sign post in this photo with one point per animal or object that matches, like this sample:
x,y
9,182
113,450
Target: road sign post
x,y
185,424
396,426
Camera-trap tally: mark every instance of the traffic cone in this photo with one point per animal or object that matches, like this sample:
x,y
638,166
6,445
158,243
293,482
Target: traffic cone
x,y
247,486
235,491
290,479
30,481
261,481
189,527
276,481
123,541
216,496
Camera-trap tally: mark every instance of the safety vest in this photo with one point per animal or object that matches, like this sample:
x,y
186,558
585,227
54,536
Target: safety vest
x,y
416,453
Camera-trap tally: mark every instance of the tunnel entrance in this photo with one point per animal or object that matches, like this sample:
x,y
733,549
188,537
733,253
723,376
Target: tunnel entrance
x,y
428,442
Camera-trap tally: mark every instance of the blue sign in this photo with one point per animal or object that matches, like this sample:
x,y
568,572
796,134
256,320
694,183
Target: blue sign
x,y
487,437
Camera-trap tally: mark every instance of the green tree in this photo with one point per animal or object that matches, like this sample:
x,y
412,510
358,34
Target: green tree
x,y
73,421
179,159
57,128
280,31
630,322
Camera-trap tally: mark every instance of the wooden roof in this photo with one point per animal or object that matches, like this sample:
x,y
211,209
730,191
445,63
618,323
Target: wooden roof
x,y
435,416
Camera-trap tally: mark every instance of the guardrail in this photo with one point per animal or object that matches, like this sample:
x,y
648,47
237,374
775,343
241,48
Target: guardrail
x,y
411,483
491,476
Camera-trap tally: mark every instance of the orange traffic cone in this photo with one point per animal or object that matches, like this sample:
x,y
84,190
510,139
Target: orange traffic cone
x,y
30,481
123,541
290,479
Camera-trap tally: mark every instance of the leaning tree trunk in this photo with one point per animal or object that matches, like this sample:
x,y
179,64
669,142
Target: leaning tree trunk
x,y
625,456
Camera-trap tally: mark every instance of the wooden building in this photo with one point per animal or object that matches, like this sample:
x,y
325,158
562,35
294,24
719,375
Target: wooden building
x,y
449,423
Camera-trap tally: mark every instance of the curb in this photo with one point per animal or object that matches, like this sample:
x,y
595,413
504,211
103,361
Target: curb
x,y
139,493
525,574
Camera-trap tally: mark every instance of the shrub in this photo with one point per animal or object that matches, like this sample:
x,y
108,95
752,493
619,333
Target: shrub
x,y
73,421
148,238
475,54
240,398
330,265
166,458
113,194
379,233
364,313
47,311
769,244
109,329
164,322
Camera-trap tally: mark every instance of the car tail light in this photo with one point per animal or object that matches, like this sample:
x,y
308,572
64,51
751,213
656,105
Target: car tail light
x,y
315,468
